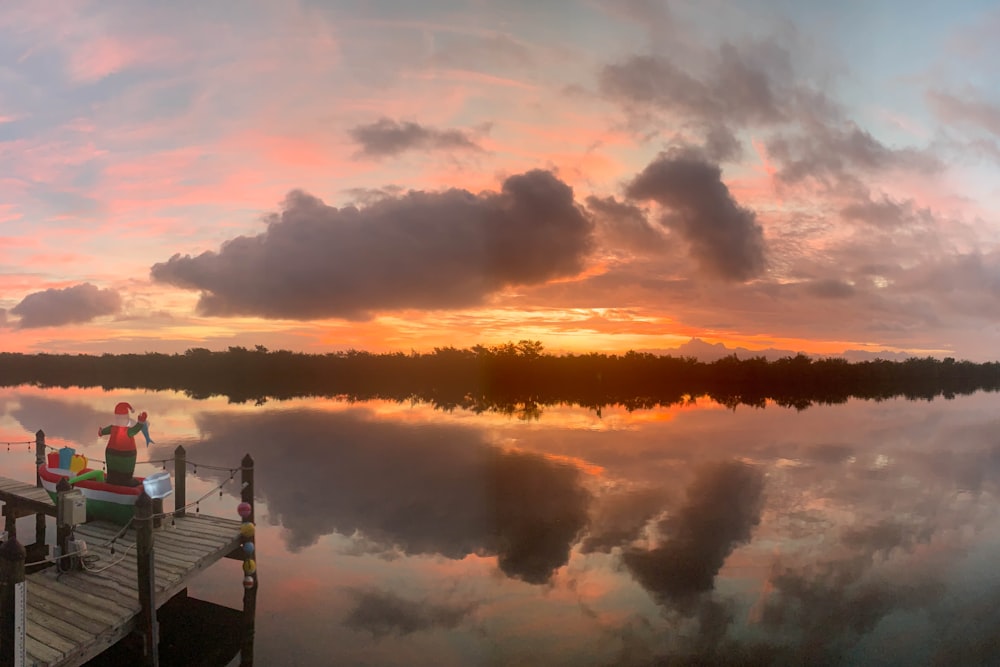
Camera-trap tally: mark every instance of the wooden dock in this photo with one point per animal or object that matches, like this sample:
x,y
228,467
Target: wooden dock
x,y
71,616
74,616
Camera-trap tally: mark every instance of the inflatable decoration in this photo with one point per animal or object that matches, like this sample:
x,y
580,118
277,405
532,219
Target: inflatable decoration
x,y
111,497
120,452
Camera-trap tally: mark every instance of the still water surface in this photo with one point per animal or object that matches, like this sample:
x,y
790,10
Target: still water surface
x,y
394,534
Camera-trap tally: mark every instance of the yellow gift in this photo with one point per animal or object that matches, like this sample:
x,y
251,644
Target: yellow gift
x,y
77,463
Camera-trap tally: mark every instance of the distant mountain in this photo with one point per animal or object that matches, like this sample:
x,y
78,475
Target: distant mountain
x,y
709,352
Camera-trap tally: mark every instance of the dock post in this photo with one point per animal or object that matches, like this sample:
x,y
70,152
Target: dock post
x,y
12,604
250,591
147,624
180,480
39,546
62,530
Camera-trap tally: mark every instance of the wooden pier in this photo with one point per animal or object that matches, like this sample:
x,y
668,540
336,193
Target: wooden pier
x,y
70,617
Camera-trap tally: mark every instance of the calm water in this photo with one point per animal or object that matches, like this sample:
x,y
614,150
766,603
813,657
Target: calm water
x,y
866,533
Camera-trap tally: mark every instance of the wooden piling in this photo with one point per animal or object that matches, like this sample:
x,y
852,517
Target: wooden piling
x,y
249,592
62,530
12,604
146,623
39,518
180,480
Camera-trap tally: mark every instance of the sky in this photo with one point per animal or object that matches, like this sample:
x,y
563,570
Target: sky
x,y
596,175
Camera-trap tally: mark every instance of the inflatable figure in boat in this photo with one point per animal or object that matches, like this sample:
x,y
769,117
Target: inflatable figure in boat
x,y
113,497
120,452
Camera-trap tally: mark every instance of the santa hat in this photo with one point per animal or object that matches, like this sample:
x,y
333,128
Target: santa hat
x,y
123,408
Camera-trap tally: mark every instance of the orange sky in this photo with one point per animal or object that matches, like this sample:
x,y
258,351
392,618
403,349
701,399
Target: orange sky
x,y
629,176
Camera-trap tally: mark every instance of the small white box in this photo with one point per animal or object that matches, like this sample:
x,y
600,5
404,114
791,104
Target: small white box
x,y
74,508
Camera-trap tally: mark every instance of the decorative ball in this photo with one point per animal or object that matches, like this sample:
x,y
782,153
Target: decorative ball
x,y
248,581
247,530
248,547
244,509
249,566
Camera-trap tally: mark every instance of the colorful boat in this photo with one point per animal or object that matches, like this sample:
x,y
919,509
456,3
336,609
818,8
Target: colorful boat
x,y
110,502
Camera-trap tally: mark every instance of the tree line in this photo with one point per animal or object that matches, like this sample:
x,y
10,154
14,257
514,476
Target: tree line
x,y
515,378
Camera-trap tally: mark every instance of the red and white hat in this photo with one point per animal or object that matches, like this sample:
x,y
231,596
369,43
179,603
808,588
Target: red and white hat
x,y
123,408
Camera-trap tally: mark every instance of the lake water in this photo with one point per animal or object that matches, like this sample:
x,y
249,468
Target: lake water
x,y
394,534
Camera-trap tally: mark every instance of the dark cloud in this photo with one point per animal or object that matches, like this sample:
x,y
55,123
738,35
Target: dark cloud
x,y
70,305
737,90
723,505
386,137
836,154
830,289
886,213
3,317
384,613
969,110
626,225
724,237
419,250
431,489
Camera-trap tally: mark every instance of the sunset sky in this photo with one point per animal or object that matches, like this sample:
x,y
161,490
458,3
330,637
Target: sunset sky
x,y
597,175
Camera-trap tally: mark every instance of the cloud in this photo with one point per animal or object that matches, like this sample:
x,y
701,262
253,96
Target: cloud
x,y
737,90
839,153
830,289
884,212
384,613
724,237
969,110
386,137
429,250
431,489
3,317
626,225
71,305
723,505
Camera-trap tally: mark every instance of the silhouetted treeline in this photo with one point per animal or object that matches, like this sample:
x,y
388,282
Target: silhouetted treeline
x,y
512,378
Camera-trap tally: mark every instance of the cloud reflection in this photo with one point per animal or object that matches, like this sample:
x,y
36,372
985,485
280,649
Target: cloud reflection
x,y
425,489
723,505
384,613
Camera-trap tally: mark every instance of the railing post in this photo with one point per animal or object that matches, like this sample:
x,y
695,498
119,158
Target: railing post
x,y
146,576
13,594
180,480
39,517
62,530
250,560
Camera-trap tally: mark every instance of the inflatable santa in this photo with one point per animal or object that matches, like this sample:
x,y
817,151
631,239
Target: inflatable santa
x,y
120,452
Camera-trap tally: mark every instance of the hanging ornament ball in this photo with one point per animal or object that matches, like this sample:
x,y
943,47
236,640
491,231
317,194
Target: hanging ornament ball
x,y
248,547
244,509
247,530
248,581
249,566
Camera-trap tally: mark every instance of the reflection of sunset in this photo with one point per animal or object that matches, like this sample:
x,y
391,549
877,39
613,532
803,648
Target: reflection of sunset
x,y
410,523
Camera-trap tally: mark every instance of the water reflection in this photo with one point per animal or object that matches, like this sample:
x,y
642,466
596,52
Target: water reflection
x,y
428,489
853,534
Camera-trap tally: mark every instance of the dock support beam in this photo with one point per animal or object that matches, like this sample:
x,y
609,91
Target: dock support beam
x,y
147,624
249,592
180,480
12,604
